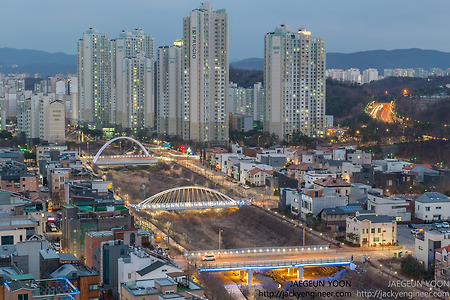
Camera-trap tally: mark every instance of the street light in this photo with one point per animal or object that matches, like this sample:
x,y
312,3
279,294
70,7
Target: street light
x,y
220,238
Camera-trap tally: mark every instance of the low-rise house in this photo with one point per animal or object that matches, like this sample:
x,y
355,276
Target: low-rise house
x,y
299,171
427,242
257,177
279,181
336,217
313,201
312,176
388,181
371,229
160,289
276,160
84,279
30,289
432,206
141,266
389,206
442,264
246,166
340,186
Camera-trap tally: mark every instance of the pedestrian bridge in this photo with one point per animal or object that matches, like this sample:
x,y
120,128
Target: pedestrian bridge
x,y
188,197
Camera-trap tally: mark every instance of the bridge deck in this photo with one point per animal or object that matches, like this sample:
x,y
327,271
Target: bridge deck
x,y
274,264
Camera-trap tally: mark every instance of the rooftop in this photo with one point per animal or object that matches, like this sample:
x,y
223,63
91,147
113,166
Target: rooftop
x,y
431,197
331,182
376,218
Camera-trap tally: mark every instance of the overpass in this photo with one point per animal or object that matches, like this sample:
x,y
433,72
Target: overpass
x,y
291,264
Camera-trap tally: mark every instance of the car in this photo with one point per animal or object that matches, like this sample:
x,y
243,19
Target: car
x,y
414,231
438,225
234,181
413,226
245,186
445,225
209,257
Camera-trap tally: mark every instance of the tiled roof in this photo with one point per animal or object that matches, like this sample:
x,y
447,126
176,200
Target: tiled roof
x,y
331,182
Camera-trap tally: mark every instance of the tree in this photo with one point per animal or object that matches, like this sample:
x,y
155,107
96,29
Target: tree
x,y
352,237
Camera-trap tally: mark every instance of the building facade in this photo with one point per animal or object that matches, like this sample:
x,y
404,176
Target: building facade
x,y
294,78
132,92
169,104
205,74
94,78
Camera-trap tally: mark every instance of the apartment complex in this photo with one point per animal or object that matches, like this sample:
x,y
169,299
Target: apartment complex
x,y
205,74
294,77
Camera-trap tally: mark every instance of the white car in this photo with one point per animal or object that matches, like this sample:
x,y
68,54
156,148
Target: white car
x,y
445,225
414,231
209,257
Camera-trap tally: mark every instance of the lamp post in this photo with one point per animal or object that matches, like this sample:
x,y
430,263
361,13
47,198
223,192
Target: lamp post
x,y
220,238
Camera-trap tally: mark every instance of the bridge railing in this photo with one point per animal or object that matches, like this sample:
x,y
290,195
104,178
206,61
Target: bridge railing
x,y
275,263
263,250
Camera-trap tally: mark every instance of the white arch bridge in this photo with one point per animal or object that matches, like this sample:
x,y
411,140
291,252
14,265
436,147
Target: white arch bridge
x,y
189,197
123,159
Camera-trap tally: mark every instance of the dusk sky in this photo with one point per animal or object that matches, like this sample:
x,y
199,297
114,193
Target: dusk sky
x,y
346,25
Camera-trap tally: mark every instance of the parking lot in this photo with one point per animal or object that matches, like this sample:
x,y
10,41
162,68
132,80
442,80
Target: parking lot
x,y
407,239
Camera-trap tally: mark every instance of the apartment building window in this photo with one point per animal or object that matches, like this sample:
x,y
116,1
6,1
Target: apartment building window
x,y
22,297
427,208
372,230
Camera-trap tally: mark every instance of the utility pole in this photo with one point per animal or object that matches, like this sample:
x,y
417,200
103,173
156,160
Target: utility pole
x,y
304,233
220,238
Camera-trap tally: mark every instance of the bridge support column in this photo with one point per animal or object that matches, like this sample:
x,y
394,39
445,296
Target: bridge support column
x,y
300,273
249,277
290,271
242,275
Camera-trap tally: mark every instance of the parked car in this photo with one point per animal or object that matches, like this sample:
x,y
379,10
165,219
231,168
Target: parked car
x,y
209,257
445,225
245,186
437,225
413,226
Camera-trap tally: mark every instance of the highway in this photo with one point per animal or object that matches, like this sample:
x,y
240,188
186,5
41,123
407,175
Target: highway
x,y
383,112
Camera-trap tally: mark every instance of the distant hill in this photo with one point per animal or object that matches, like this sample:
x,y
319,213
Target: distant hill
x,y
378,59
253,63
36,61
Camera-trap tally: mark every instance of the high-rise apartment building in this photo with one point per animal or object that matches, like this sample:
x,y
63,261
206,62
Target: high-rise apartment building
x,y
205,74
132,87
94,78
169,102
42,117
294,79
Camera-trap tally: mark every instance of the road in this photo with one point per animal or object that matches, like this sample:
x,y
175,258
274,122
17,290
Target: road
x,y
383,112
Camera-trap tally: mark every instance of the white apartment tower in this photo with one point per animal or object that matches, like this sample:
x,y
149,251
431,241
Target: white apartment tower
x,y
169,102
94,73
132,89
294,79
258,102
205,74
137,92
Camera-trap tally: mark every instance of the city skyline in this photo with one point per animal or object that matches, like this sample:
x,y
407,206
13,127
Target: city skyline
x,y
347,26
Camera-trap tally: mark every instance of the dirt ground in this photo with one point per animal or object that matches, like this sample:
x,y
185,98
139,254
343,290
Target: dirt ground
x,y
245,227
156,178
